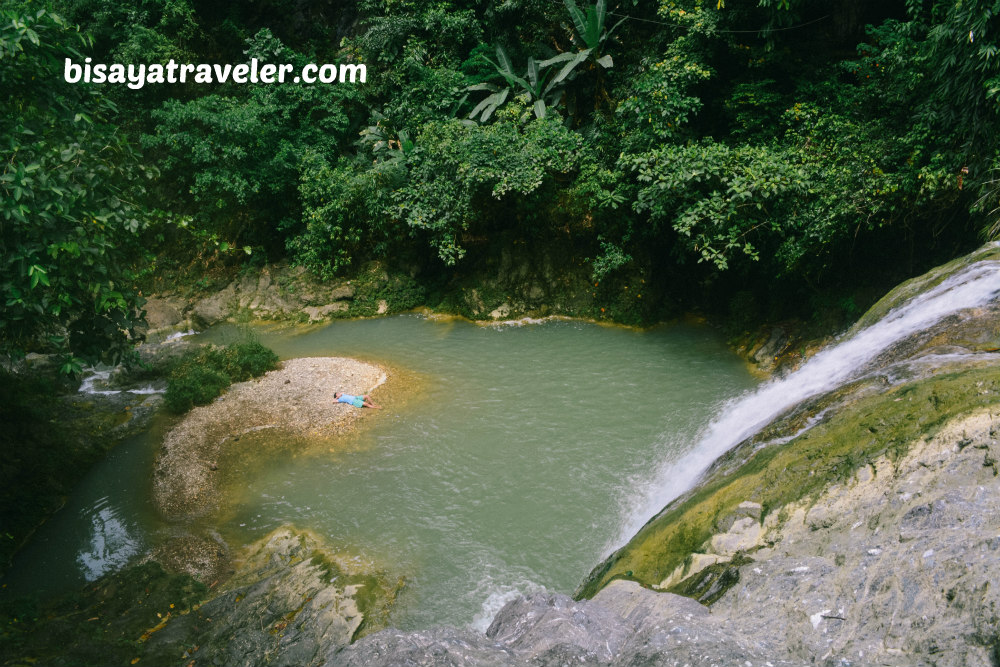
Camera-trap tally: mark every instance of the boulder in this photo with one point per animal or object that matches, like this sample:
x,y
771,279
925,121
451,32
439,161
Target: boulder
x,y
215,308
163,312
320,313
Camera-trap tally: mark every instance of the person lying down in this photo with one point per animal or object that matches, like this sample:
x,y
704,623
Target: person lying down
x,y
364,401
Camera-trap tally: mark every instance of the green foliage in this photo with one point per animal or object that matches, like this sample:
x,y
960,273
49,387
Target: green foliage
x,y
194,385
431,93
755,108
536,87
243,361
456,170
702,138
659,102
718,199
429,31
347,212
200,378
611,259
376,286
542,86
937,77
68,191
238,156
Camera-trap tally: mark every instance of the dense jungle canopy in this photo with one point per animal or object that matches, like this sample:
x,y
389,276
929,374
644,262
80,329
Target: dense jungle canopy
x,y
759,158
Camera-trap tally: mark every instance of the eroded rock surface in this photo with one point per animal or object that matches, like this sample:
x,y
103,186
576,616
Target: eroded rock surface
x,y
624,624
291,600
895,567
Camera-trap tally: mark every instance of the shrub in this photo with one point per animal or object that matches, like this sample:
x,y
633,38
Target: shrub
x,y
200,378
194,384
248,360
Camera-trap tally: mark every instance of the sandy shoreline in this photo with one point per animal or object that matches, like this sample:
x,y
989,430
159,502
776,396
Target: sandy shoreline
x,y
295,399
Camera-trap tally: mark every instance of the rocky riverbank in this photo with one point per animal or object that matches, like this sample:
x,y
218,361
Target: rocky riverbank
x,y
531,283
287,599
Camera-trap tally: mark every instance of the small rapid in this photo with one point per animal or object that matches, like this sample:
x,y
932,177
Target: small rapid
x,y
847,360
95,380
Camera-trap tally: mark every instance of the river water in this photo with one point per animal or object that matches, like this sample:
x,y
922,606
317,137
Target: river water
x,y
504,460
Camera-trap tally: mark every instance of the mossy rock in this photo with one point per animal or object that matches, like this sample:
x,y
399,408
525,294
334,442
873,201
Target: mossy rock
x,y
922,283
777,475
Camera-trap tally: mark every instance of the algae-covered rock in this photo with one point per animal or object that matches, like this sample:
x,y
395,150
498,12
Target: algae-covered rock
x,y
291,600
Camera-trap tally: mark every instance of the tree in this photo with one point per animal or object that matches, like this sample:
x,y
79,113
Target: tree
x,y
536,86
237,154
68,191
543,85
459,173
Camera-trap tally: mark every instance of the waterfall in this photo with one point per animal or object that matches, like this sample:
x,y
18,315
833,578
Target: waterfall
x,y
741,417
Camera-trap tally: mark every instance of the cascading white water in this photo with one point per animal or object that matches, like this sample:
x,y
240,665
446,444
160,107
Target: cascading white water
x,y
740,418
93,378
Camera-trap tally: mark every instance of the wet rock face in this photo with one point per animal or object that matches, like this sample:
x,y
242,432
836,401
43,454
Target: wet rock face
x,y
625,624
290,601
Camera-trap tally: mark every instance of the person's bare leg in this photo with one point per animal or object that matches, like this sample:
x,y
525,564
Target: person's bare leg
x,y
369,403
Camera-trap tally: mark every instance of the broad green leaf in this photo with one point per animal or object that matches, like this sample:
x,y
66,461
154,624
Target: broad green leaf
x,y
504,61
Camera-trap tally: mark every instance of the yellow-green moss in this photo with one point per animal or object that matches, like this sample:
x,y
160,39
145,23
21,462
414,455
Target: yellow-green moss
x,y
777,475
